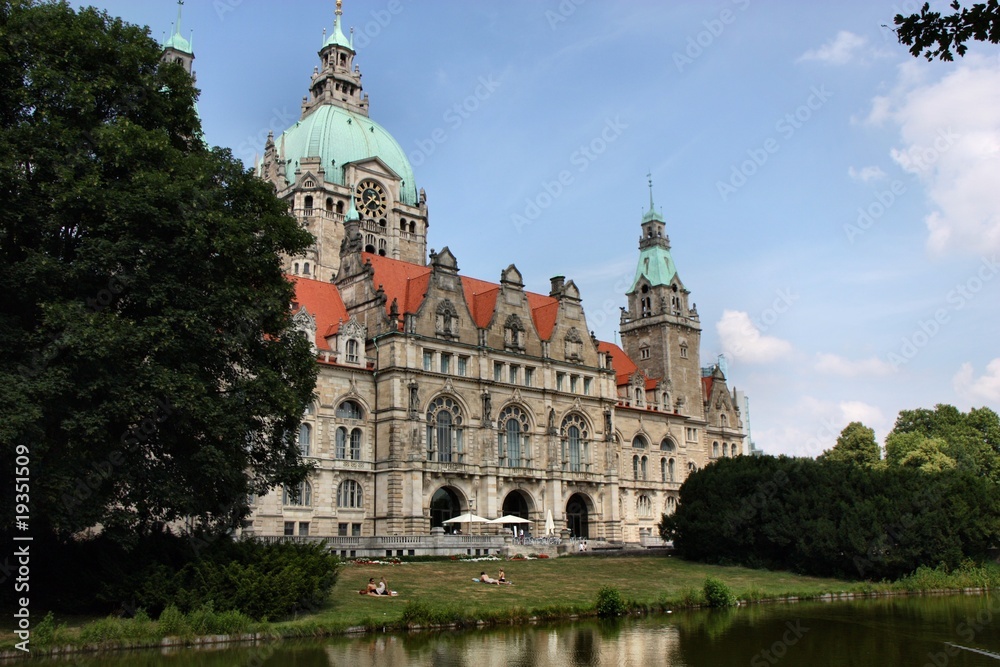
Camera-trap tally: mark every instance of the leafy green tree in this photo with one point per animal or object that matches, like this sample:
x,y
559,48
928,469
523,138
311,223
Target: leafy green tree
x,y
148,368
916,450
856,444
971,439
935,35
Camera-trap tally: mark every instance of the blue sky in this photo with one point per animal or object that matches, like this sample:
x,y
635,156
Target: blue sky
x,y
832,202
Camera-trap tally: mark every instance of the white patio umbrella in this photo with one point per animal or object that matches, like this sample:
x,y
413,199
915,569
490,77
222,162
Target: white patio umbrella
x,y
468,517
510,519
550,525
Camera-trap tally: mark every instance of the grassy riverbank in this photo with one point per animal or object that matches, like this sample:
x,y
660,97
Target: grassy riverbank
x,y
442,592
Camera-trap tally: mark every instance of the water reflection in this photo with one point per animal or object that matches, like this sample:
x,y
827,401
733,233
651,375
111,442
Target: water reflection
x,y
875,633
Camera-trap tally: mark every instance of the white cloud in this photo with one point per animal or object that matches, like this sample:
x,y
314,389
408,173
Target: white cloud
x,y
950,139
866,174
837,365
742,341
857,411
841,50
984,388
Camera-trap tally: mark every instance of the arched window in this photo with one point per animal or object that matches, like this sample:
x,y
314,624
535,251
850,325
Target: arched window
x,y
670,471
350,410
329,204
723,420
733,449
671,504
340,207
667,445
352,351
349,494
575,443
644,468
643,507
381,247
513,444
715,450
305,268
305,438
341,444
298,496
638,442
356,444
692,467
635,467
295,268
309,204
444,431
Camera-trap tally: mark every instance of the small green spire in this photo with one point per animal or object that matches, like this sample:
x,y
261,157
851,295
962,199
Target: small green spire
x,y
176,41
651,214
352,212
337,37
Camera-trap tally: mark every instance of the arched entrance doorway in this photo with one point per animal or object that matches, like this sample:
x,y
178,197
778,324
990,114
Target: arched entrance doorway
x,y
444,505
576,516
516,504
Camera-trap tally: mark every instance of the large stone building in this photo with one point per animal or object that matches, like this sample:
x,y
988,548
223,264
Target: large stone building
x,y
440,393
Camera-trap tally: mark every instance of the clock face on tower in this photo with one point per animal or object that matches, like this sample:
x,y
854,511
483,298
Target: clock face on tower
x,y
371,199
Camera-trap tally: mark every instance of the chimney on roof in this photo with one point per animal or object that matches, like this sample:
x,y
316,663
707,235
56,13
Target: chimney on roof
x,y
557,285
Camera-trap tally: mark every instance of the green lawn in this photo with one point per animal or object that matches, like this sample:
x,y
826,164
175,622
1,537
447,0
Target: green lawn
x,y
546,584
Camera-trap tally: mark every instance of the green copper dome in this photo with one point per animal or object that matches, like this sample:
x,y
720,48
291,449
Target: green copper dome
x,y
338,136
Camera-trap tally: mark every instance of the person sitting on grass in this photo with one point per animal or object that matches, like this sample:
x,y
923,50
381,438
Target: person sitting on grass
x,y
502,579
383,588
370,588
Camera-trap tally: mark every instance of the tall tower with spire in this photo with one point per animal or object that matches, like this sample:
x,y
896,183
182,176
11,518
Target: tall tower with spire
x,y
660,329
178,50
335,151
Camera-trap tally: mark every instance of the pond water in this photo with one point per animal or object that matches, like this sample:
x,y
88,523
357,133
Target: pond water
x,y
938,631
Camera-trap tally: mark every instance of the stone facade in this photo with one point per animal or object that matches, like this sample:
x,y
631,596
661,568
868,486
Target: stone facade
x,y
441,394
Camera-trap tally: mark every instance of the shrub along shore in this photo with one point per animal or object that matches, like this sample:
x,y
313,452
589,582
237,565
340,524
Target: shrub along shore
x,y
442,593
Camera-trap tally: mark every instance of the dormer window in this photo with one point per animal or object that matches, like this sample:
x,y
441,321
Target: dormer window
x,y
351,351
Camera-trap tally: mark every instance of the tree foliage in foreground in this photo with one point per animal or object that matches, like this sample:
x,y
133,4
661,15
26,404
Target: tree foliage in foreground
x,y
829,518
101,576
147,367
934,35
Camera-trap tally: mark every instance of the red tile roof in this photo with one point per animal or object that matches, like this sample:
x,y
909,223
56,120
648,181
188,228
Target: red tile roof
x,y
623,365
706,385
323,302
481,297
405,282
543,312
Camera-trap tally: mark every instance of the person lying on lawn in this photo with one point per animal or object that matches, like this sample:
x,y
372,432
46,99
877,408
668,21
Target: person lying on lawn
x,y
487,579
